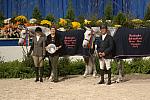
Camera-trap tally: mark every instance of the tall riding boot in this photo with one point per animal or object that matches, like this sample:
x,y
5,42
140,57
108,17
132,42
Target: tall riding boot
x,y
102,76
37,74
109,77
41,74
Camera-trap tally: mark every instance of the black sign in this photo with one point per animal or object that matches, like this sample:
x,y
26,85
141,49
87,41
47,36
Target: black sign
x,y
72,42
132,42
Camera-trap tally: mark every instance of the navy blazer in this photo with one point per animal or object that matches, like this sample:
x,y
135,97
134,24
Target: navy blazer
x,y
105,46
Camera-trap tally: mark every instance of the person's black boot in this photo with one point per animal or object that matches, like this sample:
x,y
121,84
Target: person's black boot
x,y
41,74
109,77
102,77
37,74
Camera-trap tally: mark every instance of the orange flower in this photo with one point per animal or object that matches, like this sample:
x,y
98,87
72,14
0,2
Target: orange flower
x,y
27,24
62,22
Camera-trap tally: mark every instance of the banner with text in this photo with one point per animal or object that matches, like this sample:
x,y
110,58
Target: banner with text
x,y
72,42
132,42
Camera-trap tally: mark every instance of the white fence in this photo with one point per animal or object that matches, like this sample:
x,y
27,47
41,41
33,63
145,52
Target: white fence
x,y
11,53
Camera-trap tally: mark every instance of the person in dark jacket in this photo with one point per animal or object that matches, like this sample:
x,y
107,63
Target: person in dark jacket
x,y
53,39
38,48
105,51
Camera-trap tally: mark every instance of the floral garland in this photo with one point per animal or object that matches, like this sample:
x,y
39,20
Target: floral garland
x,y
46,22
76,25
21,19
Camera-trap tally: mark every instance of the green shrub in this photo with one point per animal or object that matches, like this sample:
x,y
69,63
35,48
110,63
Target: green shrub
x,y
68,67
70,12
80,19
114,67
147,23
137,65
120,19
50,17
147,13
1,19
108,12
16,69
36,13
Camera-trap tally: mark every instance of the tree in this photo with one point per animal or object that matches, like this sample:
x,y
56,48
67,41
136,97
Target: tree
x,y
147,14
50,17
70,12
1,16
120,19
36,13
108,12
1,19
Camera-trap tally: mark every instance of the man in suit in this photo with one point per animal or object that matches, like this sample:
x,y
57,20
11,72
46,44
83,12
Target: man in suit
x,y
104,49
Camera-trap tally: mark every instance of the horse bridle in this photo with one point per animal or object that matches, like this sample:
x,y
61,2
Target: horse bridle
x,y
90,41
87,40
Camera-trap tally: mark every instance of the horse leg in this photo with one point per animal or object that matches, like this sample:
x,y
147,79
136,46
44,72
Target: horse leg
x,y
86,59
90,68
94,66
120,70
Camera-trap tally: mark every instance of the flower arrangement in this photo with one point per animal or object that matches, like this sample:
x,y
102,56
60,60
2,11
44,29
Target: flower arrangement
x,y
99,22
137,21
62,22
22,19
93,23
86,22
66,24
76,25
33,21
46,22
117,26
27,24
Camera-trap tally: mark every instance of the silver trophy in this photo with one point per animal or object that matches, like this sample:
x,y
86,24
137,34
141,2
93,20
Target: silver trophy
x,y
51,48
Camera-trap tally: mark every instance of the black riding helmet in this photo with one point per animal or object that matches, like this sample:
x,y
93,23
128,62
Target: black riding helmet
x,y
38,29
103,26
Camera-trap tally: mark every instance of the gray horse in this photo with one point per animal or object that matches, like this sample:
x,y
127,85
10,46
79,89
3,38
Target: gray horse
x,y
89,38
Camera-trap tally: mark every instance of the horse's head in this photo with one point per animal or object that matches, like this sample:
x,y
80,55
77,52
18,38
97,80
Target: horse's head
x,y
22,37
28,32
88,38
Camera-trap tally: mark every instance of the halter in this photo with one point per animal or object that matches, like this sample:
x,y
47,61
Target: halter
x,y
90,44
27,40
87,40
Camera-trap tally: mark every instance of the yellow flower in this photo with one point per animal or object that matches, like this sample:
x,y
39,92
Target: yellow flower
x,y
117,26
21,19
137,21
76,25
62,22
99,22
86,22
44,22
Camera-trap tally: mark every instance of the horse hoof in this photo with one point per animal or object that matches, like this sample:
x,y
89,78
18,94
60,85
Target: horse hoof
x,y
94,75
118,81
84,75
